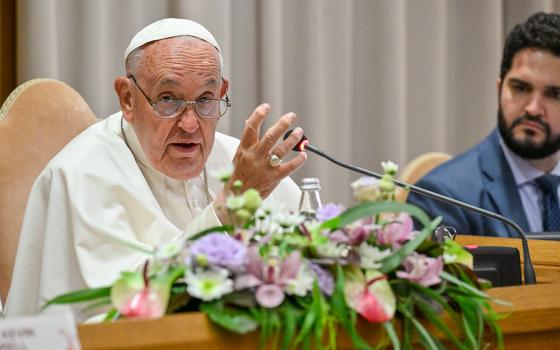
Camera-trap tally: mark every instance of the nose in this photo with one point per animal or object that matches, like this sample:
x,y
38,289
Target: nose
x,y
535,107
188,121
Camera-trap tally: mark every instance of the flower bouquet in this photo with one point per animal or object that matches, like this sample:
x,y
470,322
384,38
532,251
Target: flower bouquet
x,y
300,280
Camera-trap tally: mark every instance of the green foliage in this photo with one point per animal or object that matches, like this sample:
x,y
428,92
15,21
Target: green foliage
x,y
311,319
80,296
234,319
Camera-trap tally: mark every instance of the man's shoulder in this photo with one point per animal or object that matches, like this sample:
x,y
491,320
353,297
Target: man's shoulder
x,y
98,142
463,170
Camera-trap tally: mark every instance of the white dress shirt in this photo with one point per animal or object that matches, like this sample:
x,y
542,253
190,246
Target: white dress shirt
x,y
524,175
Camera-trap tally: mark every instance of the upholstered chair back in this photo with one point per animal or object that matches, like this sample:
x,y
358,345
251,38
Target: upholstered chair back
x,y
36,121
419,167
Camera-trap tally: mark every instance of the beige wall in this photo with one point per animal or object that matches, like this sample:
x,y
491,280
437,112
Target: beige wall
x,y
7,47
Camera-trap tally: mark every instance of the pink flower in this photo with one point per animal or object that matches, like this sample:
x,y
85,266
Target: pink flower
x,y
145,304
269,278
371,309
269,295
421,269
353,235
370,295
397,231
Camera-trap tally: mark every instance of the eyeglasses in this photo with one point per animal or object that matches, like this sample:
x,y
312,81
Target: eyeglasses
x,y
169,108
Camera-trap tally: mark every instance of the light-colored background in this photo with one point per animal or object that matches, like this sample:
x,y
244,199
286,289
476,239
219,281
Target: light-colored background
x,y
370,80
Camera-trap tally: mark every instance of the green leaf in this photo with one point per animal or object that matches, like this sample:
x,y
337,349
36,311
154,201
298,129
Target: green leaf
x,y
371,209
225,229
235,320
79,296
290,324
392,335
435,296
97,303
424,334
343,313
436,320
307,324
468,331
112,315
449,277
407,328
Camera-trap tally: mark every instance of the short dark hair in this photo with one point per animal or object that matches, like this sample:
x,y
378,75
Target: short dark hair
x,y
540,31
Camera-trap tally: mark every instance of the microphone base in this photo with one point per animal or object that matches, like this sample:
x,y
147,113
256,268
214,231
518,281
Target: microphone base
x,y
499,265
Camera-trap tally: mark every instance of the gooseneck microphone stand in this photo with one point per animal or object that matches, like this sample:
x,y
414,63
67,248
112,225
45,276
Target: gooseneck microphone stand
x,y
529,271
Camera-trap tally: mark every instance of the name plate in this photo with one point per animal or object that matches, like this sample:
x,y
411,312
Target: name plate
x,y
54,331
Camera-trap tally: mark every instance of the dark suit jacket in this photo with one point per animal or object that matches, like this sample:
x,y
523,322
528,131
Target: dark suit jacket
x,y
481,177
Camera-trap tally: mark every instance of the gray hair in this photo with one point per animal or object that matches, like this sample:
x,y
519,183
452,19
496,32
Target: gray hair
x,y
133,61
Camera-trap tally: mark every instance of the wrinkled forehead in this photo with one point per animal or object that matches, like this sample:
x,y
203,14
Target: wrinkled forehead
x,y
180,56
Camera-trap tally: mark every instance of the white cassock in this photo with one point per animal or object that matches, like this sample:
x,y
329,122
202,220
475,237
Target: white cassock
x,y
92,212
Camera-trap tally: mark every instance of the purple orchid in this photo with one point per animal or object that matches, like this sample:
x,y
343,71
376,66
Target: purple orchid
x,y
220,250
329,211
422,269
269,277
324,278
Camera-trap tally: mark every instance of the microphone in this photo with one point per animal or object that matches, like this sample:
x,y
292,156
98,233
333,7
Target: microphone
x,y
529,271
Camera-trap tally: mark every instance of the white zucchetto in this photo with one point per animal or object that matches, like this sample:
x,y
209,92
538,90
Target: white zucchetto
x,y
169,28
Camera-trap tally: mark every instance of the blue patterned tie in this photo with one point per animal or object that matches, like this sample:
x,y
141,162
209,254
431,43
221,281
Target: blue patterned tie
x,y
551,209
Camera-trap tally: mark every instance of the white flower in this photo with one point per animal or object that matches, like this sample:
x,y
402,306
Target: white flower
x,y
288,220
270,206
333,250
371,256
302,284
389,167
366,189
224,173
209,284
268,227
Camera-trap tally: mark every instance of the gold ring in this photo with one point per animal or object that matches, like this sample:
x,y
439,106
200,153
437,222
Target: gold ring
x,y
274,160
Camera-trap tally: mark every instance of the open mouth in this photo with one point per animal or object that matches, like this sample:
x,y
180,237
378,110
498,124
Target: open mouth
x,y
184,148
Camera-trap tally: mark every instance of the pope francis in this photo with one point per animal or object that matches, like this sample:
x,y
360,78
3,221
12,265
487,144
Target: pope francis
x,y
141,177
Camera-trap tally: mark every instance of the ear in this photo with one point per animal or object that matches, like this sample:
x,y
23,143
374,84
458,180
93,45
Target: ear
x,y
498,85
224,89
123,88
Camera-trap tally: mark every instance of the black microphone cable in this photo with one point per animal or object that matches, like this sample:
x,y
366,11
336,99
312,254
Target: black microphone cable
x,y
529,271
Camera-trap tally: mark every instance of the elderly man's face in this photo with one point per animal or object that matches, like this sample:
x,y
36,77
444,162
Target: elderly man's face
x,y
529,113
176,68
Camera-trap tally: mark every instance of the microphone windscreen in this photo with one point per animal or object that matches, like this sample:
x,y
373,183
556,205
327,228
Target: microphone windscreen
x,y
300,146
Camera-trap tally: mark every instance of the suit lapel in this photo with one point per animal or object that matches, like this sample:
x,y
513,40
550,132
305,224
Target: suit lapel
x,y
500,186
499,183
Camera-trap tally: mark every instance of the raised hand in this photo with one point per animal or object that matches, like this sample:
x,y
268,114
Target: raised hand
x,y
252,161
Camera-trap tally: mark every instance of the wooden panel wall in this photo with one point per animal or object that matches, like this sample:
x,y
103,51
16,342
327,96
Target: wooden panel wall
x,y
7,47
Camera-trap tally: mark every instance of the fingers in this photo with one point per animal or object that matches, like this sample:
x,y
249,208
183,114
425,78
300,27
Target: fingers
x,y
289,167
276,131
253,125
285,147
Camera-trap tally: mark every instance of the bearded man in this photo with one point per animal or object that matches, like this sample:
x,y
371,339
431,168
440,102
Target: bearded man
x,y
515,170
141,178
